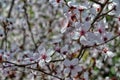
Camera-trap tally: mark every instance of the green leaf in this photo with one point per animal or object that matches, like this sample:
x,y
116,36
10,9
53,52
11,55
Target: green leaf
x,y
112,70
31,12
108,18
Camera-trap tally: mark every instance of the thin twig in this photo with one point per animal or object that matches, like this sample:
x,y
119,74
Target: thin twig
x,y
97,45
28,23
59,60
35,69
82,54
97,16
106,13
10,10
82,48
66,3
5,26
104,42
96,2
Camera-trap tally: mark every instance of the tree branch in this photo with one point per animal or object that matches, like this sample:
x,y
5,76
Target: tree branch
x,y
35,69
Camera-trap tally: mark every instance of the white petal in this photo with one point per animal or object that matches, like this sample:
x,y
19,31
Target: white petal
x,y
83,40
86,26
71,3
41,50
74,61
50,52
63,29
65,24
65,9
66,70
48,59
68,79
78,24
99,64
36,55
108,35
73,73
110,54
78,69
86,75
66,62
75,35
41,63
90,36
98,37
65,48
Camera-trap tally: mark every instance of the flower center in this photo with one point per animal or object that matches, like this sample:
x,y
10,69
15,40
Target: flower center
x,y
73,17
57,50
100,31
57,1
71,67
64,53
105,50
82,32
105,38
0,58
81,9
44,56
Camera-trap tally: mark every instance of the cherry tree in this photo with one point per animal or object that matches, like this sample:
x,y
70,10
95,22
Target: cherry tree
x,y
59,39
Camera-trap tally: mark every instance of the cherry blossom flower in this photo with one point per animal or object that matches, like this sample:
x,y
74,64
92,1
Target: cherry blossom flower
x,y
72,67
97,7
44,55
90,39
106,36
83,27
108,53
64,50
100,27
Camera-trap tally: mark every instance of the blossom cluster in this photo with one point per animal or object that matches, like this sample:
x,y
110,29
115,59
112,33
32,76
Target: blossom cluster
x,y
59,39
